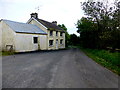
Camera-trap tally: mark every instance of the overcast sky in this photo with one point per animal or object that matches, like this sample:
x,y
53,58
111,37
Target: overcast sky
x,y
63,11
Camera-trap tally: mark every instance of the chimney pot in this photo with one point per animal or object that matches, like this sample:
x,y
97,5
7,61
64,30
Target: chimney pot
x,y
54,22
34,15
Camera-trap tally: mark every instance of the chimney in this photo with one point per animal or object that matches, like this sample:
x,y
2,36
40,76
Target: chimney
x,y
54,22
34,15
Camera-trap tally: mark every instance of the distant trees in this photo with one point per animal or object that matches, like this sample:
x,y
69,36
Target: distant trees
x,y
70,39
74,40
101,28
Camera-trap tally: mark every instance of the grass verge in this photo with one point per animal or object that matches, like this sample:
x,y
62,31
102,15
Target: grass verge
x,y
105,58
6,53
0,53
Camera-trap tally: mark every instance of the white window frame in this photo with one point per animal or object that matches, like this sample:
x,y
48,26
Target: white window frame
x,y
61,34
56,33
61,41
35,41
51,34
52,43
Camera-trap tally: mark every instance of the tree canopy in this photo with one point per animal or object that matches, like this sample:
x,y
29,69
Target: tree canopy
x,y
101,27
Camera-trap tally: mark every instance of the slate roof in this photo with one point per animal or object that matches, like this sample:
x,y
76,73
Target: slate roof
x,y
24,27
50,25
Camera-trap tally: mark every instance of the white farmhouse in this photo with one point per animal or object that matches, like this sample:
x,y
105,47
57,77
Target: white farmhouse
x,y
36,34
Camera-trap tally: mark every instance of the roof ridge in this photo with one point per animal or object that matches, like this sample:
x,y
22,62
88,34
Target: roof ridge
x,y
49,24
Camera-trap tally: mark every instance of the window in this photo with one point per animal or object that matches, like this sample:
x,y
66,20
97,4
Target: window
x,y
56,33
35,39
61,41
51,33
56,41
61,34
50,42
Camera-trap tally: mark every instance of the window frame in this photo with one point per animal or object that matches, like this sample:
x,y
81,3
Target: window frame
x,y
51,33
61,34
51,42
61,41
35,40
57,33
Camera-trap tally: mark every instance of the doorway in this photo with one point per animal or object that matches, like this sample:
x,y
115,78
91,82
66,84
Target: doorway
x,y
56,43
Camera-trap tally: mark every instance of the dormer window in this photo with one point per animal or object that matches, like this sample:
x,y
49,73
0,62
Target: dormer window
x,y
51,33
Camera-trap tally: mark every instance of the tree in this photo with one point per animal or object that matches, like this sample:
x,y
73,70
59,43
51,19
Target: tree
x,y
87,29
106,19
74,40
115,27
67,36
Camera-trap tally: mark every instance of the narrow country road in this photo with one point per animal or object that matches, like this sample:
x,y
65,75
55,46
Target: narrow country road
x,y
55,69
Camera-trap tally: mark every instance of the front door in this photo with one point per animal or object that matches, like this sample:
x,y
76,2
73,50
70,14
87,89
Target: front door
x,y
56,43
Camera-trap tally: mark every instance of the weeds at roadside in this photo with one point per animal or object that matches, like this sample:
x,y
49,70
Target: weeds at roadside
x,y
105,58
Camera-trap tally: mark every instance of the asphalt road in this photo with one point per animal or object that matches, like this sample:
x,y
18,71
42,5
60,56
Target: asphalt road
x,y
55,69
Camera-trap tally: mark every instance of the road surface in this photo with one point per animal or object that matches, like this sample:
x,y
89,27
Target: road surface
x,y
55,69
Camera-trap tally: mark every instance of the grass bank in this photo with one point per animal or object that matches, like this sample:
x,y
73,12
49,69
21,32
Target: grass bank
x,y
105,58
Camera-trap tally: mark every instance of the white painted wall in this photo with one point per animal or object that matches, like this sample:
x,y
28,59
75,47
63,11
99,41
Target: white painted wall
x,y
62,45
25,42
7,36
43,42
0,36
54,37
